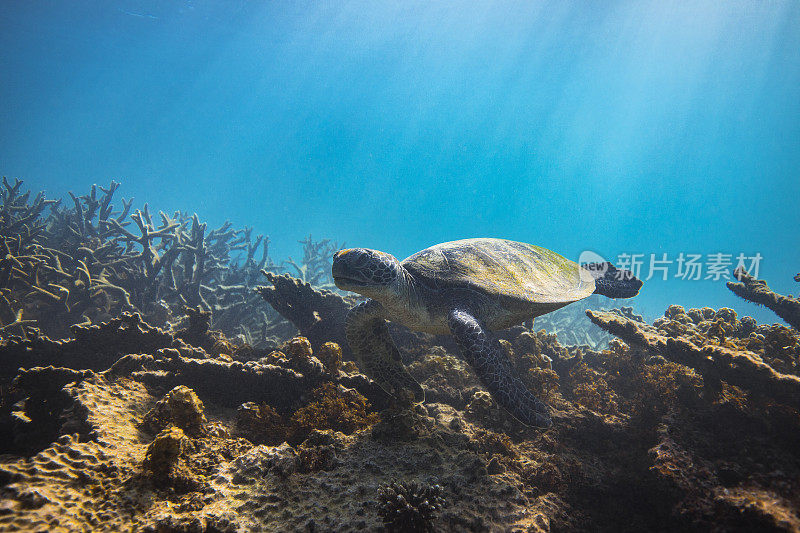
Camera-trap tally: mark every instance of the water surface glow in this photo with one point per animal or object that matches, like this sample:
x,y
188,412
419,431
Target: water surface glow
x,y
644,127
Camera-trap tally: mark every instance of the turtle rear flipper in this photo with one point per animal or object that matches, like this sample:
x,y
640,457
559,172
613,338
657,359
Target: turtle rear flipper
x,y
494,369
369,338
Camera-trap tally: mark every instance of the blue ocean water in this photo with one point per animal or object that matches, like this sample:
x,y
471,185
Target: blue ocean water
x,y
623,128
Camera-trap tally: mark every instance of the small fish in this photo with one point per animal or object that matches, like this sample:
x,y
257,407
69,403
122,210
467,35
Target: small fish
x,y
140,15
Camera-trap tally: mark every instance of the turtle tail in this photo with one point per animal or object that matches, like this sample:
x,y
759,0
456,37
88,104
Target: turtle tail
x,y
613,282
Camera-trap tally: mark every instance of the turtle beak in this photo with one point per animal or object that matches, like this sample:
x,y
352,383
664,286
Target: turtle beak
x,y
339,268
344,275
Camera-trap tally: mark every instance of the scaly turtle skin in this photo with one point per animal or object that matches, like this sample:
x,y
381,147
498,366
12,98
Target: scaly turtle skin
x,y
465,288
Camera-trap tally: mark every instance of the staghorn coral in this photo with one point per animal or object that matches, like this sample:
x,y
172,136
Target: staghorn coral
x,y
317,261
571,327
409,507
758,292
89,262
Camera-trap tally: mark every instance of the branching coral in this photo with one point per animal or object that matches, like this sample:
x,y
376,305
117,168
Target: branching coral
x,y
319,315
411,507
317,261
757,291
707,342
571,325
87,263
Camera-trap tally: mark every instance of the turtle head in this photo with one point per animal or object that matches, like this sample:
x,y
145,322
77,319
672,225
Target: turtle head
x,y
368,272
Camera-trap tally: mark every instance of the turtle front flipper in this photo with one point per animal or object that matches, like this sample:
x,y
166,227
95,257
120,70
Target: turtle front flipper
x,y
494,369
368,336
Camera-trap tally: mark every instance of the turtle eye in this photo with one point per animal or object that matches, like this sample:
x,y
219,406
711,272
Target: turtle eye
x,y
361,260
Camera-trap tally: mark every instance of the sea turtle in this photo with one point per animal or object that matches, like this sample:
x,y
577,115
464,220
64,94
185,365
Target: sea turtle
x,y
466,288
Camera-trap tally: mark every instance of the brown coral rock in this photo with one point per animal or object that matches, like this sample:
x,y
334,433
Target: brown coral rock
x,y
163,453
298,348
318,314
301,358
757,291
335,408
180,407
330,354
94,347
676,341
261,424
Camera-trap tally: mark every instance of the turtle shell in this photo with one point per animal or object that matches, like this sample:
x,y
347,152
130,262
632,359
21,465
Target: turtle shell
x,y
502,268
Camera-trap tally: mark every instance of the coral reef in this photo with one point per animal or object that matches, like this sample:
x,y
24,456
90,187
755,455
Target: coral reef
x,y
84,264
315,268
330,354
332,408
181,409
757,291
126,465
571,326
171,437
165,410
717,346
329,408
319,315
